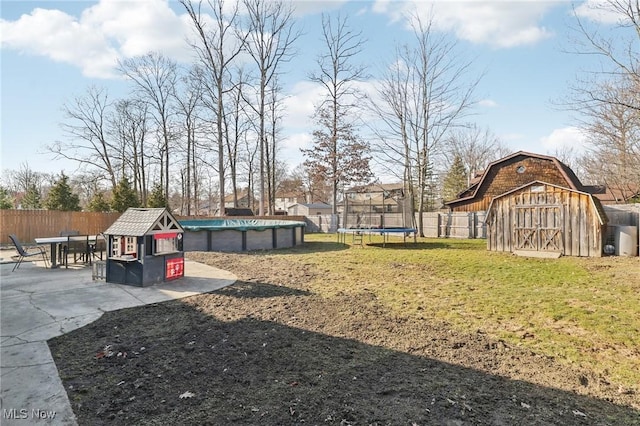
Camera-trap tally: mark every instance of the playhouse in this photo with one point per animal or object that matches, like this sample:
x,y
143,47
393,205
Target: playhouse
x,y
144,247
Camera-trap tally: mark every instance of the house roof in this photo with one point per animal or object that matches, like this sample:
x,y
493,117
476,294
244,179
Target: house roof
x,y
468,194
313,205
289,194
137,222
241,194
376,187
612,194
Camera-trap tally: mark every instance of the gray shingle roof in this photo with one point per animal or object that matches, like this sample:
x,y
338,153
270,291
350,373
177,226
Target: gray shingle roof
x,y
137,222
316,205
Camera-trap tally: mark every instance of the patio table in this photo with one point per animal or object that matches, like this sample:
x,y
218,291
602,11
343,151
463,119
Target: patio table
x,y
55,243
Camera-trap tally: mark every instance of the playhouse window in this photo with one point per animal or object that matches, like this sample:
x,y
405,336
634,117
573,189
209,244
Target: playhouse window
x,y
166,243
115,247
121,245
130,245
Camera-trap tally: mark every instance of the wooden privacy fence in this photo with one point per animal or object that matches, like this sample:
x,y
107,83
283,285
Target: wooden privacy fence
x,y
30,224
454,225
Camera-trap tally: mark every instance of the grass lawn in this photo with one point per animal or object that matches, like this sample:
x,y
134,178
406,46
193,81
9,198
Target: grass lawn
x,y
581,311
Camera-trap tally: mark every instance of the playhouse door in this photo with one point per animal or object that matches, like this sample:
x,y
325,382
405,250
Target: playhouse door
x,y
538,228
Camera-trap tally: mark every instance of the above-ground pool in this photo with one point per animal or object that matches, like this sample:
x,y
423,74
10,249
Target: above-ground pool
x,y
240,234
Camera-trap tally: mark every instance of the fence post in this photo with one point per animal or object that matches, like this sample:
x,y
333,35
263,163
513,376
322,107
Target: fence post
x,y
334,224
472,225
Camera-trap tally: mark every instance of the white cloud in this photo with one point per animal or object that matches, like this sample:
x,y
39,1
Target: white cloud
x,y
488,103
501,24
61,37
103,33
312,7
564,138
291,146
599,11
300,103
140,27
297,141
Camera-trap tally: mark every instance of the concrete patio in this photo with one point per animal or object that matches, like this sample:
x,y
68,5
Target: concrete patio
x,y
37,304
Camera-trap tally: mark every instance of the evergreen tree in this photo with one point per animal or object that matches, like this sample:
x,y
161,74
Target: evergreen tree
x,y
455,181
61,197
98,203
32,199
6,202
124,196
157,198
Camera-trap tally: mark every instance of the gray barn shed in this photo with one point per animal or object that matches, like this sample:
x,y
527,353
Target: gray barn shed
x,y
544,219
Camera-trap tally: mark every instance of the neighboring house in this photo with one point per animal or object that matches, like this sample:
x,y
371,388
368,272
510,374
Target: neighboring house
x,y
511,172
376,198
614,195
309,209
284,200
243,200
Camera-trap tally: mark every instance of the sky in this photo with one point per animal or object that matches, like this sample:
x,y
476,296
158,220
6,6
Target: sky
x,y
53,51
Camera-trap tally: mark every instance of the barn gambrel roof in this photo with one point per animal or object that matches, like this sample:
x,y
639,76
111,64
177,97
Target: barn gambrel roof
x,y
472,191
137,222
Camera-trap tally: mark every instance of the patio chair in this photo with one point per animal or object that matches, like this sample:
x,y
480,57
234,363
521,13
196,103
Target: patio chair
x,y
23,253
78,245
98,247
62,247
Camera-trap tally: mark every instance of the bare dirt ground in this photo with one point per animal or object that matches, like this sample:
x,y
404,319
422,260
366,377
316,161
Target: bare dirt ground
x,y
267,350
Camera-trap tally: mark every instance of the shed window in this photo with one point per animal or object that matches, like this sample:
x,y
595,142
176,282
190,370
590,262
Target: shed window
x,y
521,169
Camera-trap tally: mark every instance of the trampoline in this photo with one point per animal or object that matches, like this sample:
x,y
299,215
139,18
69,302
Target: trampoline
x,y
377,209
357,233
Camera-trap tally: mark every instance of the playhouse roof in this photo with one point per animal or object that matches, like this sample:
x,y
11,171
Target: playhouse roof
x,y
137,222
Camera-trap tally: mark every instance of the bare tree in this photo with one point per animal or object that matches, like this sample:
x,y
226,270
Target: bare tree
x,y
21,180
250,158
155,77
618,50
613,137
216,49
274,169
338,155
270,38
129,126
607,99
476,148
189,100
237,124
85,125
392,110
428,93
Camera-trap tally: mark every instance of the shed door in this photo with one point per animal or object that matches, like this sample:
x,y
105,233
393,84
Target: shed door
x,y
538,228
